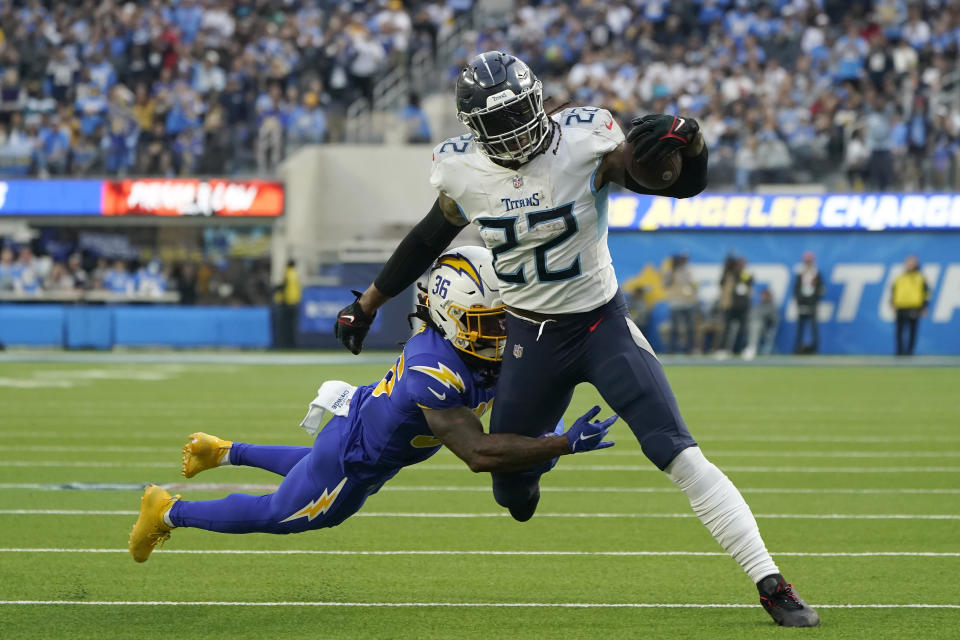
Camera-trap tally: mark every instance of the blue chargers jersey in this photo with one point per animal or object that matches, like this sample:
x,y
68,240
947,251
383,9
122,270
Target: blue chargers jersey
x,y
389,429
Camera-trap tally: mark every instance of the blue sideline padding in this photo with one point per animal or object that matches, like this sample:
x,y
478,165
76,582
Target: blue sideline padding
x,y
88,327
102,327
192,326
35,325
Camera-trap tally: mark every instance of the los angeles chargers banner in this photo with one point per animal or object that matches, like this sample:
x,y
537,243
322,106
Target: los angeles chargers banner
x,y
833,211
176,197
858,269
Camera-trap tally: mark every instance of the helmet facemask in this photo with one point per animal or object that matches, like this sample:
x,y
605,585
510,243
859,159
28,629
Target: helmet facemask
x,y
512,127
481,331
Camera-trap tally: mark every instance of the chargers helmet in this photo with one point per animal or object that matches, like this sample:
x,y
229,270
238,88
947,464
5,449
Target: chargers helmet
x,y
501,101
463,300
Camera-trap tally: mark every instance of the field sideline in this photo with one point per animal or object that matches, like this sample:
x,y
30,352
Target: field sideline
x,y
853,472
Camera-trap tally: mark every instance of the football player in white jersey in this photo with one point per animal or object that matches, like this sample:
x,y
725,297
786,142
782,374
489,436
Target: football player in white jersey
x,y
536,185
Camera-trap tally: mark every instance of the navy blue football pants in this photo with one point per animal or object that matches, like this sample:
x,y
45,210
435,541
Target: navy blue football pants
x,y
542,363
315,492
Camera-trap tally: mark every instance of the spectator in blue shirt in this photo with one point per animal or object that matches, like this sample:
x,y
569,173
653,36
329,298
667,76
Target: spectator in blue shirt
x,y
13,98
54,145
879,142
415,122
85,156
118,280
739,21
91,107
27,280
118,145
307,123
851,51
188,16
102,72
150,280
9,272
182,114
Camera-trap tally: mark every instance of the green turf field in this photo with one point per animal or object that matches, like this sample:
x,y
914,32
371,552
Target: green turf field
x,y
854,475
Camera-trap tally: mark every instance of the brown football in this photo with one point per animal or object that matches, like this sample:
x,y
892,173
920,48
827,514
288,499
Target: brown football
x,y
654,175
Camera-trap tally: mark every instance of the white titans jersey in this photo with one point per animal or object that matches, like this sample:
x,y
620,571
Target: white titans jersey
x,y
544,222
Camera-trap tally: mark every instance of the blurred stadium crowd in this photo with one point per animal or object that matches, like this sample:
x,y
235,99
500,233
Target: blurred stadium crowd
x,y
50,270
191,86
856,94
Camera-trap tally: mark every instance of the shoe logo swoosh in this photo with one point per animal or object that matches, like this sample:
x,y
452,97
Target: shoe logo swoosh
x,y
440,396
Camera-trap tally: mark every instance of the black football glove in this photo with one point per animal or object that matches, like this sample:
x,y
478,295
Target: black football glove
x,y
352,325
656,135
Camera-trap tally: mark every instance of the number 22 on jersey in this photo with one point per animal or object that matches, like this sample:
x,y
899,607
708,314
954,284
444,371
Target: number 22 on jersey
x,y
511,241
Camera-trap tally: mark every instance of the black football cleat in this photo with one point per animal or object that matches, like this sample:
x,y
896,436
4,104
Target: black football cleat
x,y
525,512
783,604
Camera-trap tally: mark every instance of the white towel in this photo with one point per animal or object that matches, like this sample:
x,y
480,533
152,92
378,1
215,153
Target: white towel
x,y
333,396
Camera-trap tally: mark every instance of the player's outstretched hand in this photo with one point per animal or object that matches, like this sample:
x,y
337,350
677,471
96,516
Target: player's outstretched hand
x,y
656,135
352,325
584,435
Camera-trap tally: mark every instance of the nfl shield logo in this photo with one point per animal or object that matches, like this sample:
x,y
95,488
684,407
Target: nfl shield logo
x,y
517,350
517,182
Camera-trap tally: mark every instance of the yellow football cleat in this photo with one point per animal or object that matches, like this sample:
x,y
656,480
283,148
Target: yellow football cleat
x,y
150,531
203,452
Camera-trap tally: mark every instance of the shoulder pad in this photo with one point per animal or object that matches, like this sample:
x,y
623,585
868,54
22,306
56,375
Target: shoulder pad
x,y
595,129
583,117
445,174
453,146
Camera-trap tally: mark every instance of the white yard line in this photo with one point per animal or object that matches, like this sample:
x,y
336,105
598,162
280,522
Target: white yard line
x,y
486,605
265,487
669,490
504,514
444,552
84,464
134,464
751,453
733,468
704,436
80,448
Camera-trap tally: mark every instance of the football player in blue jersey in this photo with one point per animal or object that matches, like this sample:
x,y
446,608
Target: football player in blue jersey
x,y
536,186
433,396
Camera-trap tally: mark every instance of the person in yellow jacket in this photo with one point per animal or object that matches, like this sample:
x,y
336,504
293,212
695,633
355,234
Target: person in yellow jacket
x,y
909,297
287,297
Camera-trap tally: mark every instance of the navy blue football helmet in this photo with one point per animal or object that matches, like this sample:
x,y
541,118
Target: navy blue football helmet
x,y
501,101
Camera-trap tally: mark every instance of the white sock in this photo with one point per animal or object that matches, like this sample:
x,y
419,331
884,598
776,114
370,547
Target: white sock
x,y
225,459
166,518
722,509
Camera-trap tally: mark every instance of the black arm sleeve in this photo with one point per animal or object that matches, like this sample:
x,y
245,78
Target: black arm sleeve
x,y
692,180
416,252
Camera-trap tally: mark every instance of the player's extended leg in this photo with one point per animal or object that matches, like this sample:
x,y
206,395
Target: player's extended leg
x,y
532,395
204,451
314,494
276,458
628,375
